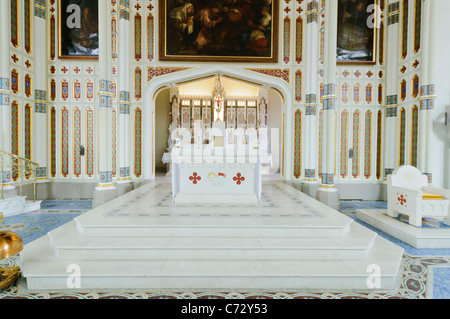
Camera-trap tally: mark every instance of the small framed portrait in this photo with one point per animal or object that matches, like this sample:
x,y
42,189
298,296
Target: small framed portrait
x,y
78,29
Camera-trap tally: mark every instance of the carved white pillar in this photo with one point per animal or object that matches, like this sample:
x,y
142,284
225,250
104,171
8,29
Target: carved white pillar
x,y
124,94
329,97
327,192
5,87
391,131
311,89
105,99
40,127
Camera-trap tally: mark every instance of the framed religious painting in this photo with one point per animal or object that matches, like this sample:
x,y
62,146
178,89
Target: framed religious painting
x,y
219,31
78,29
357,31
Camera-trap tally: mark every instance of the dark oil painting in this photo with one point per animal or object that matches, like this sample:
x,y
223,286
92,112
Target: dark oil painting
x,y
78,29
222,31
356,31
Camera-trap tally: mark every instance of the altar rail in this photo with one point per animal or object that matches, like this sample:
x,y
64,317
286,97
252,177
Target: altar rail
x,y
14,168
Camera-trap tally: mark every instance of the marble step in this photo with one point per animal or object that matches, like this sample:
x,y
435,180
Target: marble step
x,y
43,270
69,243
212,226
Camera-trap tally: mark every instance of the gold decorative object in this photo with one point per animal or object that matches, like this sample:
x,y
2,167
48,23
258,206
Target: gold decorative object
x,y
10,245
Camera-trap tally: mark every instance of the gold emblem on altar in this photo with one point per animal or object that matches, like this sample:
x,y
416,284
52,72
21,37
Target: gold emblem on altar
x,y
218,179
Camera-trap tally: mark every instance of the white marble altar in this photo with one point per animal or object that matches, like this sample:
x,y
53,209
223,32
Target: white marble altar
x,y
216,175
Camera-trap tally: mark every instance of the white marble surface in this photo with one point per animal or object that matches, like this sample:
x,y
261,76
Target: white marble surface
x,y
290,241
418,237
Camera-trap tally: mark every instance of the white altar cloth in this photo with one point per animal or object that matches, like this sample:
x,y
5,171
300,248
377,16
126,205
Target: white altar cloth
x,y
221,177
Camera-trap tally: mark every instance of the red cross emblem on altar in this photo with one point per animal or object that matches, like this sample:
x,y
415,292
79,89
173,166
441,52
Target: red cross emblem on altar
x,y
238,179
195,178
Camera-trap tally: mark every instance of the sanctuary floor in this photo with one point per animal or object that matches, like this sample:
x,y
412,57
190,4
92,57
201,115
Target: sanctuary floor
x,y
425,274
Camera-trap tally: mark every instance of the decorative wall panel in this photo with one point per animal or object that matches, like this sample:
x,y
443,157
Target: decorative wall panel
x,y
343,170
27,131
137,37
27,25
402,142
64,142
14,23
299,40
368,145
356,141
114,142
53,142
15,133
298,144
414,134
150,36
137,142
89,142
76,142
286,39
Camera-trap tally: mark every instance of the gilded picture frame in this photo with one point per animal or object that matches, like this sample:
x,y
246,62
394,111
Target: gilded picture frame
x,y
219,31
78,29
357,31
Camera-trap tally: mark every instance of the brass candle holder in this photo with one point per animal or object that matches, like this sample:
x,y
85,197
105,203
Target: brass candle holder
x,y
10,245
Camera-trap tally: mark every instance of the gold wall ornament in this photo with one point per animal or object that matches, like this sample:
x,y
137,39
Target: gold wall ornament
x,y
10,245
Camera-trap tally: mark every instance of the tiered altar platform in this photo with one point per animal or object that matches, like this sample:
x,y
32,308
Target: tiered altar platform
x,y
287,241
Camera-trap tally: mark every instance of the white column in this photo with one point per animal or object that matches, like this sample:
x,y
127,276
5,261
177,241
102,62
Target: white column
x,y
124,95
40,125
329,98
391,121
5,93
312,58
105,98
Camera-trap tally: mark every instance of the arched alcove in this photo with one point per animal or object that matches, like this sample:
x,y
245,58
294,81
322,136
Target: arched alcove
x,y
279,92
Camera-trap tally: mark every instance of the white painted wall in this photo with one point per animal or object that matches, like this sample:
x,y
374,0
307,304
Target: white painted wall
x,y
441,133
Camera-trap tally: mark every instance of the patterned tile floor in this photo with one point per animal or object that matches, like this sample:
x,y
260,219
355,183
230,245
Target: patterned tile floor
x,y
426,273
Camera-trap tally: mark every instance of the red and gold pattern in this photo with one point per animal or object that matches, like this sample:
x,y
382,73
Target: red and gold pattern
x,y
76,142
15,133
27,85
76,90
64,142
89,90
368,145
286,39
53,141
344,144
298,86
14,23
89,142
150,43
27,25
64,90
138,83
356,133
137,37
114,142
153,72
299,40
52,37
298,145
278,73
138,142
